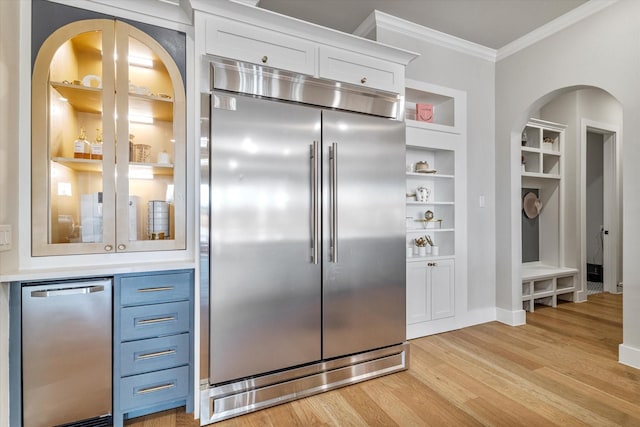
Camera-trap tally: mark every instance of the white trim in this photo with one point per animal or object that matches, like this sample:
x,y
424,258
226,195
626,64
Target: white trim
x,y
408,28
432,327
611,268
560,23
629,356
425,34
511,318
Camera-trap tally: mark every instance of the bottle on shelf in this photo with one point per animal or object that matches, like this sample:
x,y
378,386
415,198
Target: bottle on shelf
x,y
81,146
132,149
96,147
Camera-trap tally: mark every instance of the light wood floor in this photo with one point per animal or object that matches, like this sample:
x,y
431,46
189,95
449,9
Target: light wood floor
x,y
559,369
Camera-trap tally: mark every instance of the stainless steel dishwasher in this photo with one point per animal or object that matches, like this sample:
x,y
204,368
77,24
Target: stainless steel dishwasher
x,y
66,352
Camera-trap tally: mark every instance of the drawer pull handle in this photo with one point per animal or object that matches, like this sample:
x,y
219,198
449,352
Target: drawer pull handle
x,y
156,388
155,354
363,80
265,59
156,320
158,289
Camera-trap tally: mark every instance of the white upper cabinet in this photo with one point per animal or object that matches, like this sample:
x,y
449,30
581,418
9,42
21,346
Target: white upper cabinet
x,y
258,36
257,45
350,67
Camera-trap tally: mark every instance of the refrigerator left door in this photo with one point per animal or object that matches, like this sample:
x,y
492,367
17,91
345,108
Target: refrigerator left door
x,y
66,352
265,290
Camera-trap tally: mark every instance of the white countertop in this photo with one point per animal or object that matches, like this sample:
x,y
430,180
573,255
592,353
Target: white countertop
x,y
91,271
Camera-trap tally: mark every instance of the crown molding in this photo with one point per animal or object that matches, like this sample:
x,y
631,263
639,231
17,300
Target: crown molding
x,y
379,19
560,23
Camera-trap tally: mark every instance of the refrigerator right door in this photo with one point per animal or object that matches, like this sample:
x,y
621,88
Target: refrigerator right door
x,y
363,233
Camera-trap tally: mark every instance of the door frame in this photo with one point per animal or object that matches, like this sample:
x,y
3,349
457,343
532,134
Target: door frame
x,y
612,183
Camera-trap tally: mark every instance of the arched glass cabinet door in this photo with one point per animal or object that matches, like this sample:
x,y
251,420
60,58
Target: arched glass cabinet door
x,y
108,142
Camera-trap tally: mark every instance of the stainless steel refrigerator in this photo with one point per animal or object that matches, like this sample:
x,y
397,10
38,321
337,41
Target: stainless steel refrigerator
x,y
307,240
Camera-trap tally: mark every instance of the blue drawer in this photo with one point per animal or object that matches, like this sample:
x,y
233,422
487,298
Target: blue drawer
x,y
154,388
150,321
153,354
155,288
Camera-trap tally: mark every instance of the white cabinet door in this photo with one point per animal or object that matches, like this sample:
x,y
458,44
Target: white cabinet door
x,y
430,290
441,276
362,70
418,293
256,45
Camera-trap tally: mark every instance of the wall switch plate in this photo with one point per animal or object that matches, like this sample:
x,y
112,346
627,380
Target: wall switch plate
x,y
481,202
5,237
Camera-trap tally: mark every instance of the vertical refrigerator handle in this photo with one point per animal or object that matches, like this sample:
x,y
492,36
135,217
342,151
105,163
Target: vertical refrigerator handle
x,y
333,158
315,205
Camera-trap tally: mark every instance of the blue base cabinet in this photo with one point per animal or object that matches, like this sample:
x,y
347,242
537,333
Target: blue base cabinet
x,y
152,343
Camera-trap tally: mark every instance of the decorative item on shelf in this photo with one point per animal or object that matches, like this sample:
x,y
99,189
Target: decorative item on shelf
x,y
422,194
433,249
132,148
424,113
531,205
91,80
158,217
142,152
547,143
421,243
523,164
163,158
81,149
411,196
429,219
524,137
96,147
423,167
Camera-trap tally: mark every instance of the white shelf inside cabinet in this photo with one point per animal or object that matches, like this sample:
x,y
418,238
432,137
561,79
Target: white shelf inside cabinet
x,y
437,285
446,108
414,203
430,175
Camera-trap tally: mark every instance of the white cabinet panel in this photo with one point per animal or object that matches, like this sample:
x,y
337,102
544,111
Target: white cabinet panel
x,y
244,42
441,277
430,290
350,67
418,306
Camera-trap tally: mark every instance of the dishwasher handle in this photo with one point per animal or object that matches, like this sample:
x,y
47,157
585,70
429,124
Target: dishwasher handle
x,y
67,291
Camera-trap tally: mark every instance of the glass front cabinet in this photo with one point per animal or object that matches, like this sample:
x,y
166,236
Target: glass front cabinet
x,y
108,142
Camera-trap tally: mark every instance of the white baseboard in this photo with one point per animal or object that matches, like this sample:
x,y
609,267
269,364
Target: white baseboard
x,y
474,317
629,356
511,318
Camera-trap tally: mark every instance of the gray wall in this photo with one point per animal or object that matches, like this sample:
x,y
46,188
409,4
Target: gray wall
x,y
600,51
476,76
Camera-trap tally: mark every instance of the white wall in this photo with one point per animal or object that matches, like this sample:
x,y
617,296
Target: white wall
x,y
600,51
446,67
9,76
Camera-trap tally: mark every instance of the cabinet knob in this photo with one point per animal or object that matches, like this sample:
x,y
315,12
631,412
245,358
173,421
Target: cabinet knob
x,y
363,80
108,248
122,247
265,59
431,264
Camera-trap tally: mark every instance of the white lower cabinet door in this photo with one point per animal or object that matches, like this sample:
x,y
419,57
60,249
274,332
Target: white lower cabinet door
x,y
430,290
418,292
441,275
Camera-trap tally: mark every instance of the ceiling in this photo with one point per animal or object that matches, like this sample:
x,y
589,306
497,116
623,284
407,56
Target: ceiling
x,y
491,23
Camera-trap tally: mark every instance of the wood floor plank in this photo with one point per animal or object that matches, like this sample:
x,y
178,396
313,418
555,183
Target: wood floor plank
x,y
561,369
